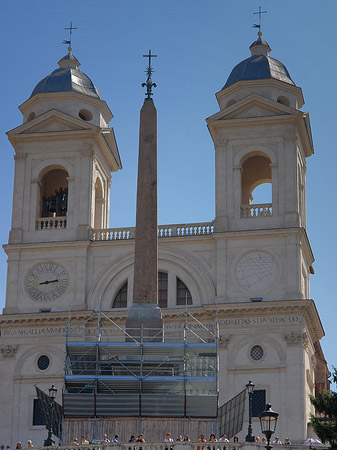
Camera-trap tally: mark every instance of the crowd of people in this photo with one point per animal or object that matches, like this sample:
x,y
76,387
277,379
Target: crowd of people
x,y
186,438
168,438
18,446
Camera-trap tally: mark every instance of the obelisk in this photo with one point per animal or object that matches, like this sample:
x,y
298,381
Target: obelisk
x,y
144,317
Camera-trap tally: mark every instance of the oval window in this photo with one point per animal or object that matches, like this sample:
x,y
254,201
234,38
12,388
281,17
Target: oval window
x,y
43,362
256,352
84,114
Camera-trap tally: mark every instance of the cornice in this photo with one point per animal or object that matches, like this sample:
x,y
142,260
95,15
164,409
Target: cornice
x,y
254,121
260,232
54,135
304,307
54,245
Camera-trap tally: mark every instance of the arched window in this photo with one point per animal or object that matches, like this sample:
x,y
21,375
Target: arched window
x,y
54,193
256,187
120,300
162,289
183,294
99,204
262,194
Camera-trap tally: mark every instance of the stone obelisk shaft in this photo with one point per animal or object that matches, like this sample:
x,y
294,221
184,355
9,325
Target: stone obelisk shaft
x,y
144,317
145,284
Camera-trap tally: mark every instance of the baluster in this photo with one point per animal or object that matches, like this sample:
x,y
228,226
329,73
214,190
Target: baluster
x,y
174,231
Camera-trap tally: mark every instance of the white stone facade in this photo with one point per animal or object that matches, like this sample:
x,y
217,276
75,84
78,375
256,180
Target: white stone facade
x,y
249,269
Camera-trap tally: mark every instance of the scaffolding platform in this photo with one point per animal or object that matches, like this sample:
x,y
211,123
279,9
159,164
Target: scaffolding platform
x,y
109,373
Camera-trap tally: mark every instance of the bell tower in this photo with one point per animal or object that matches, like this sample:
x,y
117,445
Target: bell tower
x,y
65,151
261,137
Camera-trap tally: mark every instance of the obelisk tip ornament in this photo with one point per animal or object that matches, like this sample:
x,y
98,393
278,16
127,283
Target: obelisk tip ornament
x,y
144,316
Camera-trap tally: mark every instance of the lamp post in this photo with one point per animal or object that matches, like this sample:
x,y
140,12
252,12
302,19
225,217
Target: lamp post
x,y
250,388
268,421
52,394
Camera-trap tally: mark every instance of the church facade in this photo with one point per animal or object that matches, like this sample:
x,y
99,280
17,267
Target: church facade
x,y
248,270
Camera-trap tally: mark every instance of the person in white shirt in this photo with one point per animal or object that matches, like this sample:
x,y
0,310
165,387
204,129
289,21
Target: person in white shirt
x,y
277,440
168,437
223,438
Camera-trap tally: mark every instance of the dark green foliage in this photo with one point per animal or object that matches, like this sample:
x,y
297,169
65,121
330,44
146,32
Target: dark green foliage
x,y
325,423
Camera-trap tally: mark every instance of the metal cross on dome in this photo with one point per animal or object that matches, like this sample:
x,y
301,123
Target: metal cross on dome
x,y
149,70
259,12
71,28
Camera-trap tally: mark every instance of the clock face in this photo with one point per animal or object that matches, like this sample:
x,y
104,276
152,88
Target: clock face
x,y
46,282
256,271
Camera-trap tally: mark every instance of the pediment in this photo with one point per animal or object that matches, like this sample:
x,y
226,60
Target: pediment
x,y
254,110
252,106
53,124
52,121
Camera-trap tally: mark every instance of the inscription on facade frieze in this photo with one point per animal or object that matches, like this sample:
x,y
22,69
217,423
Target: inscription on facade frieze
x,y
223,323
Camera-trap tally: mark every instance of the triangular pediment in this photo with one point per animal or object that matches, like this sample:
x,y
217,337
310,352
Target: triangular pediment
x,y
254,110
253,106
52,121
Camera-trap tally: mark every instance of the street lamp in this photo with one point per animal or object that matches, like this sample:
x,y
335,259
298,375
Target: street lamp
x,y
250,389
268,421
52,394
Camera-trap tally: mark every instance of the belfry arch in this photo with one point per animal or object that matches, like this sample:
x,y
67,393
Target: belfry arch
x,y
99,205
54,193
256,171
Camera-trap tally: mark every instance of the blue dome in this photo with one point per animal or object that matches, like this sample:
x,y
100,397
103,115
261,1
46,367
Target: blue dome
x,y
260,66
67,79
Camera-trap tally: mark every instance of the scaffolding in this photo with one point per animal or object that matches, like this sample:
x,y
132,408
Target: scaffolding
x,y
109,373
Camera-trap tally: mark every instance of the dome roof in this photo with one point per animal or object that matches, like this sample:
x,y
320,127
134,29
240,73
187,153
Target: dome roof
x,y
67,78
260,66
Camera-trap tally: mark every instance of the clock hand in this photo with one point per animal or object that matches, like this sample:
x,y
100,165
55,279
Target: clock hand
x,y
47,282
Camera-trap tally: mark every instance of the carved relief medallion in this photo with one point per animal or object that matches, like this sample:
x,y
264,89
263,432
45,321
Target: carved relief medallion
x,y
46,281
256,271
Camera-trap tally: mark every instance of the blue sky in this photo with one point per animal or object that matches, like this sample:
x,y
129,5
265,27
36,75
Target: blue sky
x,y
198,42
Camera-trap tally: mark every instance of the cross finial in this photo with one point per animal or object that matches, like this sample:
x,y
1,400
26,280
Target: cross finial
x,y
71,28
259,12
149,70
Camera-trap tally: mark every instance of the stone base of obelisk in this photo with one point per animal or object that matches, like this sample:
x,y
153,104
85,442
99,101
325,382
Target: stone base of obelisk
x,y
144,323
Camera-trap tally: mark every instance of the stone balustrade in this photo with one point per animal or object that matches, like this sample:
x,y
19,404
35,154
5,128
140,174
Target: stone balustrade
x,y
113,234
51,223
257,210
176,230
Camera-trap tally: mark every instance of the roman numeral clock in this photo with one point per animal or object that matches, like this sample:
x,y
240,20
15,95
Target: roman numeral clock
x,y
46,281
